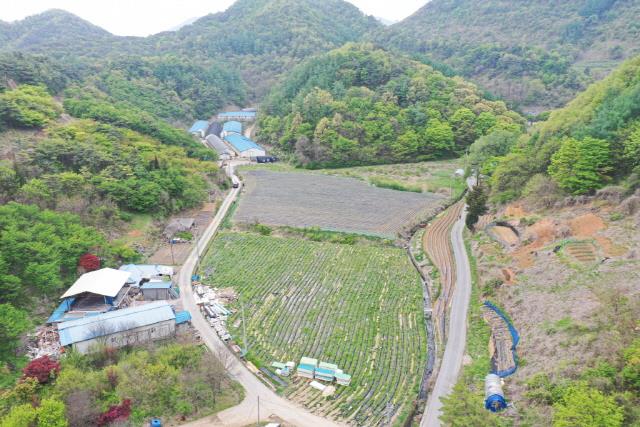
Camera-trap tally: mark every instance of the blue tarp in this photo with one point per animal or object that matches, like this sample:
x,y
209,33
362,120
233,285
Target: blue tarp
x,y
515,338
59,312
182,317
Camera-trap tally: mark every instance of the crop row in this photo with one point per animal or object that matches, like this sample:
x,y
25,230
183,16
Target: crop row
x,y
357,306
344,204
437,245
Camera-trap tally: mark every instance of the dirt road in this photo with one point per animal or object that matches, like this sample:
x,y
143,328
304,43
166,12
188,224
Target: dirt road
x,y
247,411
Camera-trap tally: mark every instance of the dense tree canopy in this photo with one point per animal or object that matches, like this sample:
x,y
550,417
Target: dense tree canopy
x,y
594,140
28,107
359,105
536,54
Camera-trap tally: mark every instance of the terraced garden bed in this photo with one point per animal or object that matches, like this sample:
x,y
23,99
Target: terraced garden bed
x,y
299,199
357,306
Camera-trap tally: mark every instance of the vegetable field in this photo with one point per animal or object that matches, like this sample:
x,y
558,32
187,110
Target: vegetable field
x,y
332,203
357,306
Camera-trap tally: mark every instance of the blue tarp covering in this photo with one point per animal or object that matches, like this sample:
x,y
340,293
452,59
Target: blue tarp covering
x,y
515,338
59,312
182,317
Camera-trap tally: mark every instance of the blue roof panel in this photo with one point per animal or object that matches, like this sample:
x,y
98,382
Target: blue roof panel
x,y
199,126
232,126
156,285
247,114
241,143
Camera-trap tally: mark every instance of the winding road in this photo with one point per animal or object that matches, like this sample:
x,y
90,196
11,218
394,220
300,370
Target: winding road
x,y
260,401
457,338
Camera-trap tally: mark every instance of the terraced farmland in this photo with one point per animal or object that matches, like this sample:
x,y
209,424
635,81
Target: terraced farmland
x,y
357,306
299,199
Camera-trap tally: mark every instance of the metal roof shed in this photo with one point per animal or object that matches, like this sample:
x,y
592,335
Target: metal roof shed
x,y
200,126
244,146
146,271
232,126
113,322
106,282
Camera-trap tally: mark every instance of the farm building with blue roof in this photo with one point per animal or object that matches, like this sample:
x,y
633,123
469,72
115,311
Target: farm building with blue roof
x,y
237,115
128,326
231,127
199,128
243,146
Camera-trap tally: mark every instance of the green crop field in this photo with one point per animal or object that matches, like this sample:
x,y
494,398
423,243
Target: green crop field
x,y
357,306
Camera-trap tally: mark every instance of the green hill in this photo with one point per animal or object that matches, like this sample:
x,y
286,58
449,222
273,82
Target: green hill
x,y
261,38
592,142
536,54
55,31
265,38
362,105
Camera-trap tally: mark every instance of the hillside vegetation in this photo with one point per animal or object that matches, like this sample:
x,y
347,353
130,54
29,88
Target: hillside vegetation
x,y
362,105
72,176
261,38
592,142
536,54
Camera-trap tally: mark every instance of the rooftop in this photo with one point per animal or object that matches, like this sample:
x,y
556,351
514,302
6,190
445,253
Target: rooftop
x,y
156,285
106,281
241,143
247,114
232,126
217,144
111,322
145,271
199,126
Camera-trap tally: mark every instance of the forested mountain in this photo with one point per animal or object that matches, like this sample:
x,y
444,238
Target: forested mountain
x,y
265,38
592,142
55,31
255,41
536,54
362,105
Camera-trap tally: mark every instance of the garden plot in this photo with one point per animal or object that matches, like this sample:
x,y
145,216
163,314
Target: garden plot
x,y
359,307
299,199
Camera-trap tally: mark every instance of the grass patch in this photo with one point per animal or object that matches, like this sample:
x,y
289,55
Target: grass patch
x,y
394,185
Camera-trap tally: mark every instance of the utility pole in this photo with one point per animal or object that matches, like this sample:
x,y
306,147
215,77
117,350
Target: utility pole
x,y
173,261
244,339
258,411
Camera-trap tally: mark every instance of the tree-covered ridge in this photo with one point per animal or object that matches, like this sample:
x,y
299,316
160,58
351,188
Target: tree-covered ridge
x,y
362,105
265,38
534,53
55,30
175,89
593,141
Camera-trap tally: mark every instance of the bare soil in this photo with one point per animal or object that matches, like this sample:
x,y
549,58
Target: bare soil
x,y
570,265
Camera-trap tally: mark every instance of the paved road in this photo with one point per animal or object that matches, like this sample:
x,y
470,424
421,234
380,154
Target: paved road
x,y
456,342
247,411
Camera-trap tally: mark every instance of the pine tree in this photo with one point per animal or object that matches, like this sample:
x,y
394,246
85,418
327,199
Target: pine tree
x,y
477,205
